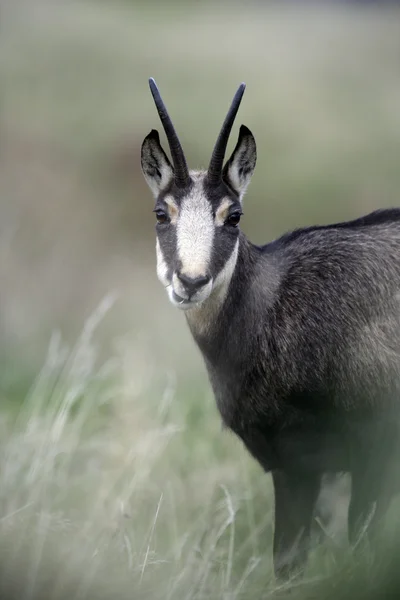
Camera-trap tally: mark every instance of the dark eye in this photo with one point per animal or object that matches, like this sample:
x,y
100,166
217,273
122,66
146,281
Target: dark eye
x,y
161,216
233,219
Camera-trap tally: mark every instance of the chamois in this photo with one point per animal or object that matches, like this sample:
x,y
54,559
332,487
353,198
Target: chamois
x,y
300,337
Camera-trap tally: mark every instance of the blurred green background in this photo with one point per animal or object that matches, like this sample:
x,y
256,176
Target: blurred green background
x,y
76,224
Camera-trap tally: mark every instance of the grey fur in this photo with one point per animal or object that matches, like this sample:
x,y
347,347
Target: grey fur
x,y
302,348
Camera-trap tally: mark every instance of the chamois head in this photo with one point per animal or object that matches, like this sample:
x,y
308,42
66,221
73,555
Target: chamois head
x,y
197,212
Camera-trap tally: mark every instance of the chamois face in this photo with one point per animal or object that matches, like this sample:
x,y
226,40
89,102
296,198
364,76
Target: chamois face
x,y
197,224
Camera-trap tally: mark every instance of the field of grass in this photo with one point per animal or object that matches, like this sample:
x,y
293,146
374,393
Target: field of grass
x,y
113,484
115,476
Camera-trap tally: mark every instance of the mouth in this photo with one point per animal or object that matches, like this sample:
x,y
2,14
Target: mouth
x,y
187,303
182,302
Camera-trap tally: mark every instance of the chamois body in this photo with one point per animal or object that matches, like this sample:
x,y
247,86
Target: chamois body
x,y
301,336
312,357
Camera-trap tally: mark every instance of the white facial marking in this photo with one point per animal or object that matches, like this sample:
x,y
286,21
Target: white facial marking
x,y
222,211
162,268
173,210
195,234
224,277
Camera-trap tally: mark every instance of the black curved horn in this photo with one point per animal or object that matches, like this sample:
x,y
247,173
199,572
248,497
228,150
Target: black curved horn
x,y
182,178
217,159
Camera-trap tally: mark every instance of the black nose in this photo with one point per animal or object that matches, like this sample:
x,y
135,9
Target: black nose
x,y
192,284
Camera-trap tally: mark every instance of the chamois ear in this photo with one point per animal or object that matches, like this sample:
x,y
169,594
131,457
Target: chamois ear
x,y
156,167
239,168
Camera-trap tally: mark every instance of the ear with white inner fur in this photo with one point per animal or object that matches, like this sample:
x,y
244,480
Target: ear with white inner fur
x,y
156,167
239,168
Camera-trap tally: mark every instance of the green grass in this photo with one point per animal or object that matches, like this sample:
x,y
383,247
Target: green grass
x,y
112,485
115,476
106,486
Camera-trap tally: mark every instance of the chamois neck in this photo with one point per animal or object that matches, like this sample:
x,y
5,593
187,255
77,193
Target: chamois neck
x,y
231,285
